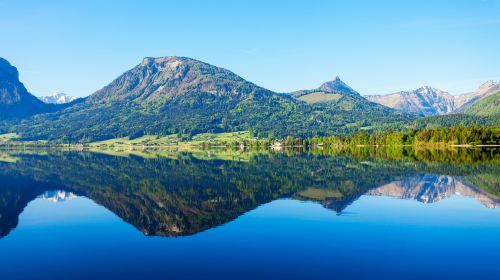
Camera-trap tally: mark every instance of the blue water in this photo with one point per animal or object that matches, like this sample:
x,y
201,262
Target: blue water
x,y
376,237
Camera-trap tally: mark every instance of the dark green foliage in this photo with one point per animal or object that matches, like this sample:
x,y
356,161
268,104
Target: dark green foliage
x,y
455,120
458,135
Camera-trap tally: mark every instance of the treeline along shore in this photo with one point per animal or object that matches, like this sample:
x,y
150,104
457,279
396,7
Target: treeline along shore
x,y
436,137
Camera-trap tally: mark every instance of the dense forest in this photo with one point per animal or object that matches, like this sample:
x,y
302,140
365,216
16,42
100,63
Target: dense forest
x,y
457,135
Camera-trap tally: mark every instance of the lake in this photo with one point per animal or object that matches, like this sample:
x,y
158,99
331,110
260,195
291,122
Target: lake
x,y
228,214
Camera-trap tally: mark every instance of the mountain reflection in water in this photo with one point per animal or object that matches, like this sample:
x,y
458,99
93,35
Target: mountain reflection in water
x,y
181,193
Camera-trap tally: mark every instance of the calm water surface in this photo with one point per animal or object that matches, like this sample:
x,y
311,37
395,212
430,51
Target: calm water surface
x,y
232,215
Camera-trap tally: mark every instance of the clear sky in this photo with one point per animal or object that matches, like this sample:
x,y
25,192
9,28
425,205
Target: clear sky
x,y
377,47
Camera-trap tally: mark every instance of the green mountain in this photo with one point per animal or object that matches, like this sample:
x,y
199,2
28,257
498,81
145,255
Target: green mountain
x,y
170,95
15,101
489,106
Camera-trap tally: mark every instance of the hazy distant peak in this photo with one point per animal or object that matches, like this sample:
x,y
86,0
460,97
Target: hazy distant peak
x,y
57,98
488,84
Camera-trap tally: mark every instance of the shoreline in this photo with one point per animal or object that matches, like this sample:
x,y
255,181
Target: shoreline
x,y
19,146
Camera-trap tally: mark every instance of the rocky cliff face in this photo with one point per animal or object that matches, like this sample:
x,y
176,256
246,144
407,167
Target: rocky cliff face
x,y
337,86
15,100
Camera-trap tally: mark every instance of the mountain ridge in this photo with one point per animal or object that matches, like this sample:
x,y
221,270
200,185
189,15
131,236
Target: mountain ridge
x,y
428,101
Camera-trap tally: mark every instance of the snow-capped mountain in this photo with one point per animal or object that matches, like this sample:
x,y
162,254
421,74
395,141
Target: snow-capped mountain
x,y
428,101
57,98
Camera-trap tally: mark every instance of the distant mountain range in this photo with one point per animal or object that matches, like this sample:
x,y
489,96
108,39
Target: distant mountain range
x,y
58,98
180,95
428,101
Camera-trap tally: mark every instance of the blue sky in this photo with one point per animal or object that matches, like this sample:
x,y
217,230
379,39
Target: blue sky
x,y
377,47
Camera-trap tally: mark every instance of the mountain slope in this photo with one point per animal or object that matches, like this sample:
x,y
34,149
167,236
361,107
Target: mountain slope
x,y
181,95
464,101
489,106
15,100
424,101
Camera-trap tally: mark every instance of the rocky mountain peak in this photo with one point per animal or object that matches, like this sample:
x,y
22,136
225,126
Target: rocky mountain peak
x,y
431,91
337,85
162,61
163,78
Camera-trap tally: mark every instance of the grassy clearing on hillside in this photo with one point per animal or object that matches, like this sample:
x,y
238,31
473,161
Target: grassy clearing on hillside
x,y
320,97
151,140
222,137
13,139
174,140
319,194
